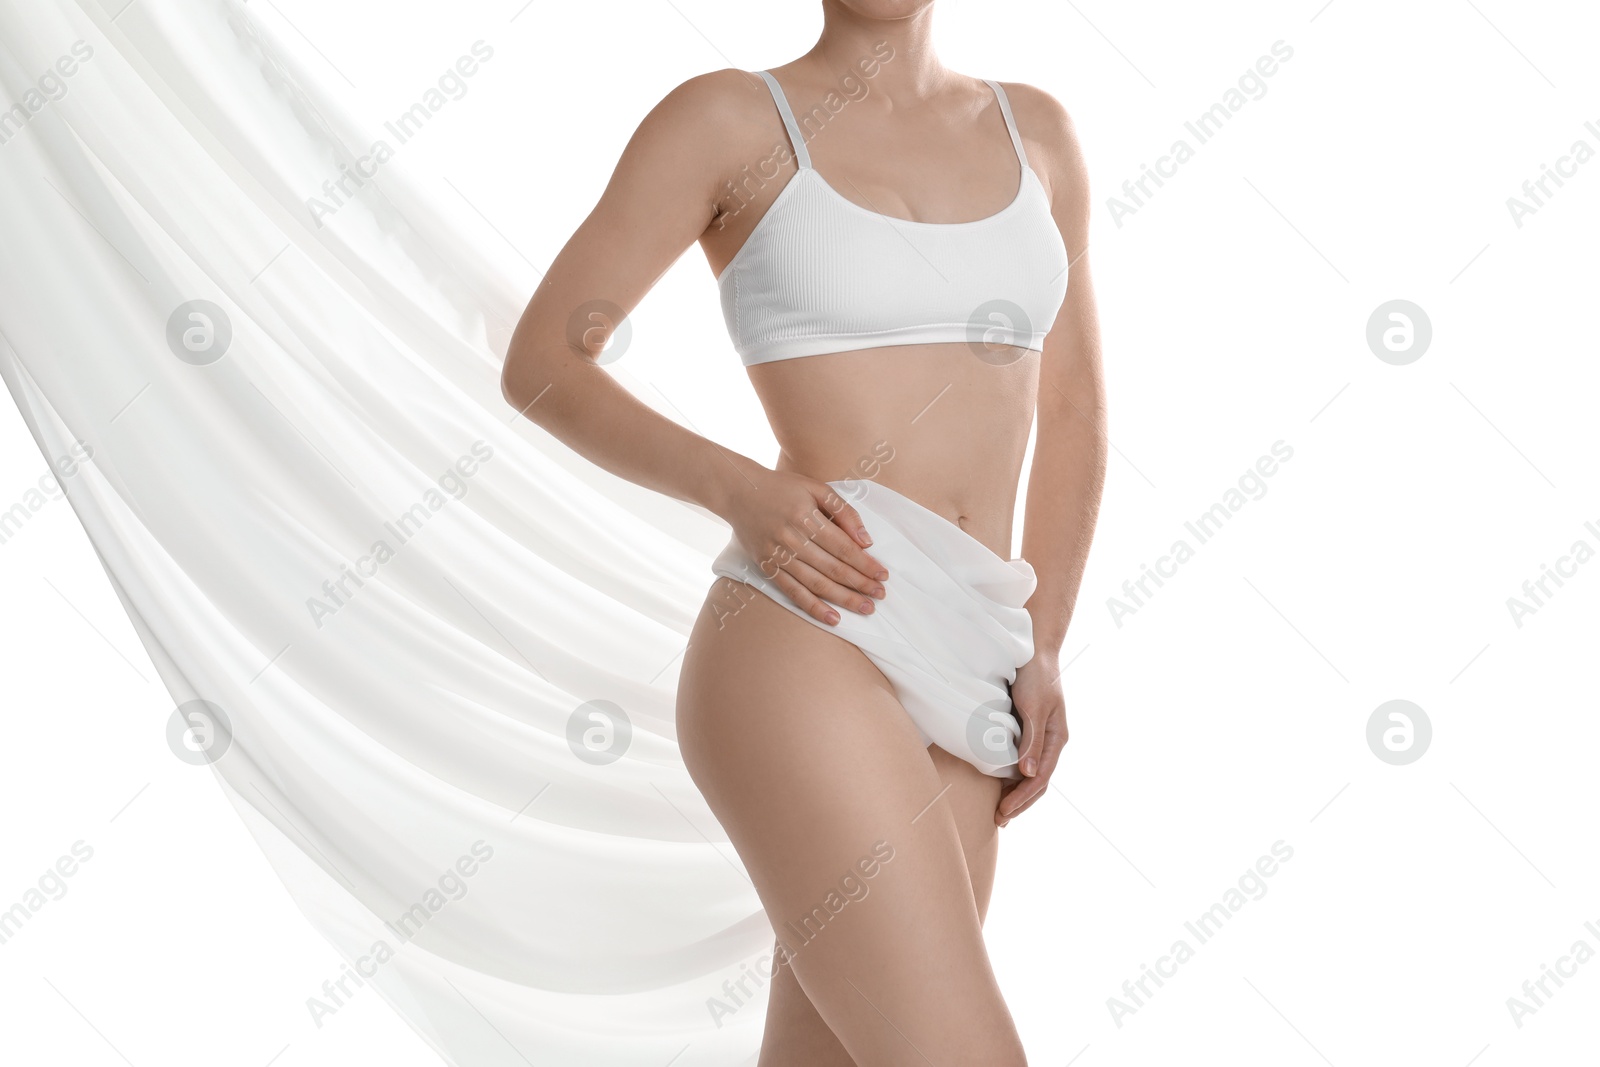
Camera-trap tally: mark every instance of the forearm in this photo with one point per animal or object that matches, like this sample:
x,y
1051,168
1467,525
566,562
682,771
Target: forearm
x,y
1063,504
581,405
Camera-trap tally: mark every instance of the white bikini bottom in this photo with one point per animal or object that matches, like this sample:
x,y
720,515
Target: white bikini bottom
x,y
950,633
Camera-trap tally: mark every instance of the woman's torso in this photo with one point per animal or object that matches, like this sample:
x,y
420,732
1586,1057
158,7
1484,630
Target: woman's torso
x,y
945,423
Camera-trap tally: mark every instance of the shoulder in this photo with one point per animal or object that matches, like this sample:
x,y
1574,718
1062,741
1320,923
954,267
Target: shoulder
x,y
711,122
719,104
1051,137
1043,120
698,136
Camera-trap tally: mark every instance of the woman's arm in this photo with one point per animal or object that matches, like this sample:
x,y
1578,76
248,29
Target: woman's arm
x,y
1069,457
1069,460
661,197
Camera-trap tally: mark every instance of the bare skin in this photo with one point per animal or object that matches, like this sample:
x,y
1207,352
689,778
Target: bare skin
x,y
794,737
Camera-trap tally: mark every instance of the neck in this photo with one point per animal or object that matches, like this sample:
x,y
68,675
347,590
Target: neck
x,y
908,71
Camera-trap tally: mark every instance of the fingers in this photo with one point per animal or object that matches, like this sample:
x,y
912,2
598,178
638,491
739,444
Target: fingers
x,y
1021,796
818,560
1016,798
814,592
807,601
861,571
830,545
1032,746
1051,738
811,589
847,519
820,585
849,582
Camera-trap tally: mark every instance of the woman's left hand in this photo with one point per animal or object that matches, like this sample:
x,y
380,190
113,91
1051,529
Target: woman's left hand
x,y
1036,694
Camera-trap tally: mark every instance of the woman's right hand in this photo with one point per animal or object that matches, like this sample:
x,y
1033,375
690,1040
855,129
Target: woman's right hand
x,y
809,541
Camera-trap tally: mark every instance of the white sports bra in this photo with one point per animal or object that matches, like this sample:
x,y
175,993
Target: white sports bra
x,y
822,274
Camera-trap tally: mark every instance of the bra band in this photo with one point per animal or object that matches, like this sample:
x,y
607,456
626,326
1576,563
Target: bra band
x,y
796,138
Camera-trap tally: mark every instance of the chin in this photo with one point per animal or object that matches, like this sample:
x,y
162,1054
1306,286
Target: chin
x,y
884,9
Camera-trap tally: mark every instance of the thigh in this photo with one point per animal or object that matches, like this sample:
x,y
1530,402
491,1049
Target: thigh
x,y
848,830
972,797
795,1035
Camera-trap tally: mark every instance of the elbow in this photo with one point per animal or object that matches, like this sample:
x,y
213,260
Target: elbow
x,y
516,385
508,389
523,377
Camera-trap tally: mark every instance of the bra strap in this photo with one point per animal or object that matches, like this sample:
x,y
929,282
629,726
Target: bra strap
x,y
796,139
1011,123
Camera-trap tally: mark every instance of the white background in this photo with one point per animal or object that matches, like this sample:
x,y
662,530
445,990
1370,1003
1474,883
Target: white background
x,y
1228,713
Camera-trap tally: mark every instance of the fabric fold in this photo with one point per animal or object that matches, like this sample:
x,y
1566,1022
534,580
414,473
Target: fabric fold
x,y
950,633
443,642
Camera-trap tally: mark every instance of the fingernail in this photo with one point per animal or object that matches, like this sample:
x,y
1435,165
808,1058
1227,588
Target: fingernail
x,y
1030,766
882,575
879,592
866,607
833,618
866,538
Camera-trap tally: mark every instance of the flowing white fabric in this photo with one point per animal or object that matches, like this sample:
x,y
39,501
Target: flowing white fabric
x,y
437,650
949,639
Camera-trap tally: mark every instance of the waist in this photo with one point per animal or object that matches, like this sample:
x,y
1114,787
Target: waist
x,y
935,423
